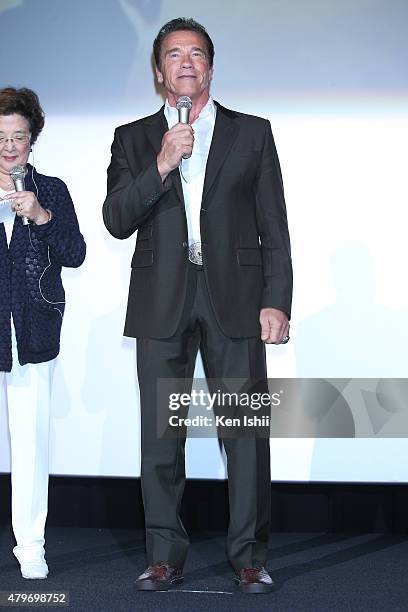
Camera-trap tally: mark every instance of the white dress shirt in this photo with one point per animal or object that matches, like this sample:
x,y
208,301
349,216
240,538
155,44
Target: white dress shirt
x,y
193,169
7,215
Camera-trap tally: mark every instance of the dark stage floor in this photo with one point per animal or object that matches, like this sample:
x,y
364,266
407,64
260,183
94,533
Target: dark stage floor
x,y
313,572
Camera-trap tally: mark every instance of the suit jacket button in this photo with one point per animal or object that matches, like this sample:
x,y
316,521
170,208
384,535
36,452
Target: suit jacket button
x,y
185,245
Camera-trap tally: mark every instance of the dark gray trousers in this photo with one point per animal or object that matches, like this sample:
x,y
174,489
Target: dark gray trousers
x,y
163,467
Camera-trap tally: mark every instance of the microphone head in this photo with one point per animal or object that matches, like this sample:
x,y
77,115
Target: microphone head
x,y
184,102
17,173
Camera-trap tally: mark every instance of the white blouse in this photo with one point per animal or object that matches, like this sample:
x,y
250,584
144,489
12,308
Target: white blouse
x,y
7,215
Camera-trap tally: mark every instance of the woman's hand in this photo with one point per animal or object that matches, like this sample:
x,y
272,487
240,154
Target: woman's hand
x,y
26,204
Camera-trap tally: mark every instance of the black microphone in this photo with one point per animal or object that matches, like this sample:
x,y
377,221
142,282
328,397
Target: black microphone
x,y
18,176
184,106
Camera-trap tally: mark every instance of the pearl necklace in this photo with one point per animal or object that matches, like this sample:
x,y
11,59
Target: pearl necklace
x,y
9,186
6,185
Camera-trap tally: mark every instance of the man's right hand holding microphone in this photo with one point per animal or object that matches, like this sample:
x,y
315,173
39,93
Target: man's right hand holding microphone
x,y
176,144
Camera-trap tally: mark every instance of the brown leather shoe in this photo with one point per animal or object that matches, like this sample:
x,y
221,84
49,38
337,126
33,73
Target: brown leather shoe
x,y
159,577
254,580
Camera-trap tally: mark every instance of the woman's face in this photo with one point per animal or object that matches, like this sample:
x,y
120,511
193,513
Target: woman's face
x,y
14,142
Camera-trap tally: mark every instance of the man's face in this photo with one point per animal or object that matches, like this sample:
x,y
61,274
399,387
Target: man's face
x,y
184,66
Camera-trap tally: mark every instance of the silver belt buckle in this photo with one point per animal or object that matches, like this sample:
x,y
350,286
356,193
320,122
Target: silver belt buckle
x,y
194,253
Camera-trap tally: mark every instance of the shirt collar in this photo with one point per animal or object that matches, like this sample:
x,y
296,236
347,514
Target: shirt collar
x,y
208,111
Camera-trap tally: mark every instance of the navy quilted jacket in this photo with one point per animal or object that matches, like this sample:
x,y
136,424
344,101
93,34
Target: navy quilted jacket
x,y
30,274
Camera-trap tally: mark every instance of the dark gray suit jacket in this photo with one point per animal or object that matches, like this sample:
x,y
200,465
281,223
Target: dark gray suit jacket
x,y
244,231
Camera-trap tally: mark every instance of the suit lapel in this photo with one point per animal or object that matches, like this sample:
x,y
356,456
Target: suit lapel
x,y
225,133
156,126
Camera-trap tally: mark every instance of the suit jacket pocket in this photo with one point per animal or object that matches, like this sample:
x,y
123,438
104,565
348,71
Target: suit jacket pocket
x,y
249,257
142,258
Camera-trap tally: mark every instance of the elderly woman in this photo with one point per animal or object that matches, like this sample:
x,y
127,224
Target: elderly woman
x,y
39,234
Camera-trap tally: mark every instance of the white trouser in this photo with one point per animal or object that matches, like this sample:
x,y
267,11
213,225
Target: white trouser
x,y
25,393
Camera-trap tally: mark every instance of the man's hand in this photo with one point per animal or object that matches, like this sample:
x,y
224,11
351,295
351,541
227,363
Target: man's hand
x,y
274,325
175,143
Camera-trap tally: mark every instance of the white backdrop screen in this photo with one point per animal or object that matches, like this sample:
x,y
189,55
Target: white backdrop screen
x,y
332,78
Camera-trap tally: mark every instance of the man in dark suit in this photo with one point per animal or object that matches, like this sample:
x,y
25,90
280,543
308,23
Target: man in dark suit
x,y
211,270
